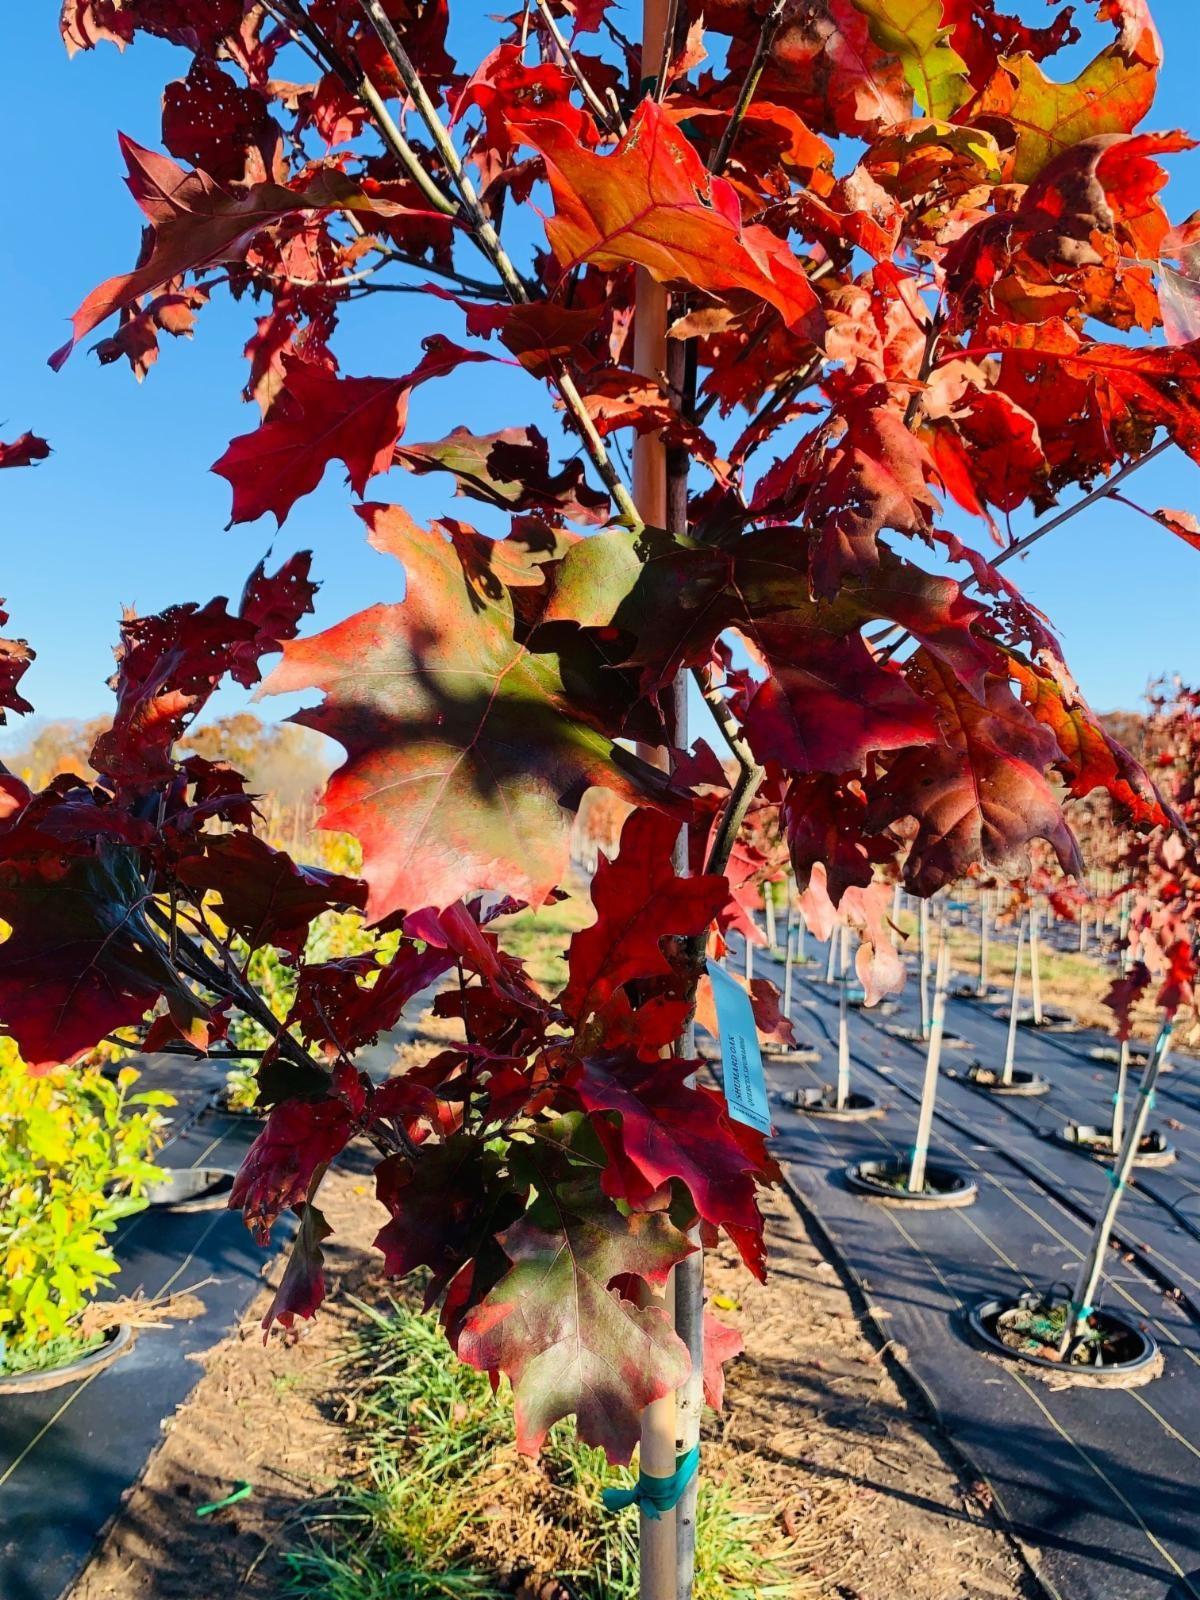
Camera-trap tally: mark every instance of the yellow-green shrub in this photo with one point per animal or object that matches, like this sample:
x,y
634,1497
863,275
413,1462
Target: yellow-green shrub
x,y
75,1154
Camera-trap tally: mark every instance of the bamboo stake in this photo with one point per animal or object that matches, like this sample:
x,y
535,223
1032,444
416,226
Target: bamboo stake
x,y
1035,964
657,1535
933,1057
1010,1048
801,938
831,956
1092,1265
749,960
787,972
1083,932
923,958
769,909
843,1072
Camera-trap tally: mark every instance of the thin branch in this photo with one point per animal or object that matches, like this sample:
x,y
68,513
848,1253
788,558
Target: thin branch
x,y
766,38
1019,546
750,776
489,242
357,83
596,106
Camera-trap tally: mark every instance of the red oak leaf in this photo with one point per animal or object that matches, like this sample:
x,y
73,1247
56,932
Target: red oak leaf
x,y
299,1141
317,418
1091,757
263,895
336,1008
80,959
567,1342
444,1203
653,203
302,1287
197,223
1123,995
15,660
721,1345
638,900
980,797
464,746
828,710
672,1130
170,663
511,470
24,452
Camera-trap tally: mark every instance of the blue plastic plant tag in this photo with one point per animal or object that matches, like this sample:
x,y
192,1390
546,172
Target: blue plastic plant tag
x,y
741,1058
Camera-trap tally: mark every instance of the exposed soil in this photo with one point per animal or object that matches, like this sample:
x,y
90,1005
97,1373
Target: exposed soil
x,y
865,1497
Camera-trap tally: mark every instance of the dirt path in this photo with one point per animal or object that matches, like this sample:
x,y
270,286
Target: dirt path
x,y
815,1426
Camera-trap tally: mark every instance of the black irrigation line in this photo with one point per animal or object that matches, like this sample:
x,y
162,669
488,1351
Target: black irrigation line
x,y
1046,1180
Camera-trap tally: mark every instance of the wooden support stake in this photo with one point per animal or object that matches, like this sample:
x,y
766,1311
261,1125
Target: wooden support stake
x,y
923,960
984,940
1092,1266
658,1557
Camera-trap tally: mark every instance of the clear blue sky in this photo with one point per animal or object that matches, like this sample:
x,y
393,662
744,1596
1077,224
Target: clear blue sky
x,y
126,511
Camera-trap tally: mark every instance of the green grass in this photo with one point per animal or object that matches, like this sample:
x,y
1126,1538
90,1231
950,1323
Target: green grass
x,y
540,938
445,1508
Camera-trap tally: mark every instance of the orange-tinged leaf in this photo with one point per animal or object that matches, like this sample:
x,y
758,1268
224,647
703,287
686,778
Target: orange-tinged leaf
x,y
465,747
652,203
1111,95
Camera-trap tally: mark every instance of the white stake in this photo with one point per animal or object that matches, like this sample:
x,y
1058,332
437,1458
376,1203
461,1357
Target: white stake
x,y
1092,1265
984,940
923,960
933,1057
1035,966
1010,1049
843,1073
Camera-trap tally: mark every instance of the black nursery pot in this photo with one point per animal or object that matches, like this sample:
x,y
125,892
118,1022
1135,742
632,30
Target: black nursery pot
x,y
1088,1140
790,1055
1130,1353
117,1343
883,1181
190,1189
989,1081
822,1103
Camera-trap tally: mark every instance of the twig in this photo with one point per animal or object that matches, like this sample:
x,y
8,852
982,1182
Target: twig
x,y
750,776
601,112
489,242
1019,546
357,83
766,38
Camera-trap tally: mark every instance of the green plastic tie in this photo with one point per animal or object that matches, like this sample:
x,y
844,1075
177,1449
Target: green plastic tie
x,y
242,1491
1117,1183
656,1495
